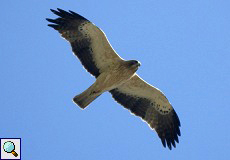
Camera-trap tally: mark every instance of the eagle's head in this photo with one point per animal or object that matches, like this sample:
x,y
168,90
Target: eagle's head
x,y
134,64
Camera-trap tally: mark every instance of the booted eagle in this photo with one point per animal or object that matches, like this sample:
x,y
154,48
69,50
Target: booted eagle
x,y
116,75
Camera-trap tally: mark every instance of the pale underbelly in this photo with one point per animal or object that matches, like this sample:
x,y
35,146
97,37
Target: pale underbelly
x,y
109,81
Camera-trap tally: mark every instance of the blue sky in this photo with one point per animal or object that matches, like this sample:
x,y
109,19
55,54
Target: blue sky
x,y
184,49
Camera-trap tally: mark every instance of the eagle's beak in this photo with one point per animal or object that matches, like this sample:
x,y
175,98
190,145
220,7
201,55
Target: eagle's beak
x,y
139,64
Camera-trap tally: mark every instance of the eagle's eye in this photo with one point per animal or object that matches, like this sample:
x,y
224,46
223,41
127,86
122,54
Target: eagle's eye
x,y
133,62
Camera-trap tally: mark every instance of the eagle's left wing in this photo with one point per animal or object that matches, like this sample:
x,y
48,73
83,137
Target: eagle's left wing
x,y
88,42
152,106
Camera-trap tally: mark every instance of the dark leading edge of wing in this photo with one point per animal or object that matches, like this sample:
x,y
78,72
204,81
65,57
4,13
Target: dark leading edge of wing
x,y
67,25
166,126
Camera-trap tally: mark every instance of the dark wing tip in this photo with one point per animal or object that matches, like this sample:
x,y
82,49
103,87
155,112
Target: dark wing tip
x,y
178,132
173,143
65,19
169,146
163,142
54,26
170,130
51,20
169,142
176,138
64,14
62,11
54,11
74,13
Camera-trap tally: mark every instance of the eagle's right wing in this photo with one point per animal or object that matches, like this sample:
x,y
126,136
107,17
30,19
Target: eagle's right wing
x,y
88,42
152,106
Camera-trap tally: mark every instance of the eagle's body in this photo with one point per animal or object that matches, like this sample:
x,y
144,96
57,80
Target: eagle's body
x,y
116,75
112,77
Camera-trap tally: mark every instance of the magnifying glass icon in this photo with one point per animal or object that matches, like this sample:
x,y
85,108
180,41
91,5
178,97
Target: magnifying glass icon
x,y
9,147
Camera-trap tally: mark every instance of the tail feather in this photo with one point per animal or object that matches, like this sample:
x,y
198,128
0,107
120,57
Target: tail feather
x,y
85,98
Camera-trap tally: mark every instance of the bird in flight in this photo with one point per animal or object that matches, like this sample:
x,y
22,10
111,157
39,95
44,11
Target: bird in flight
x,y
116,75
